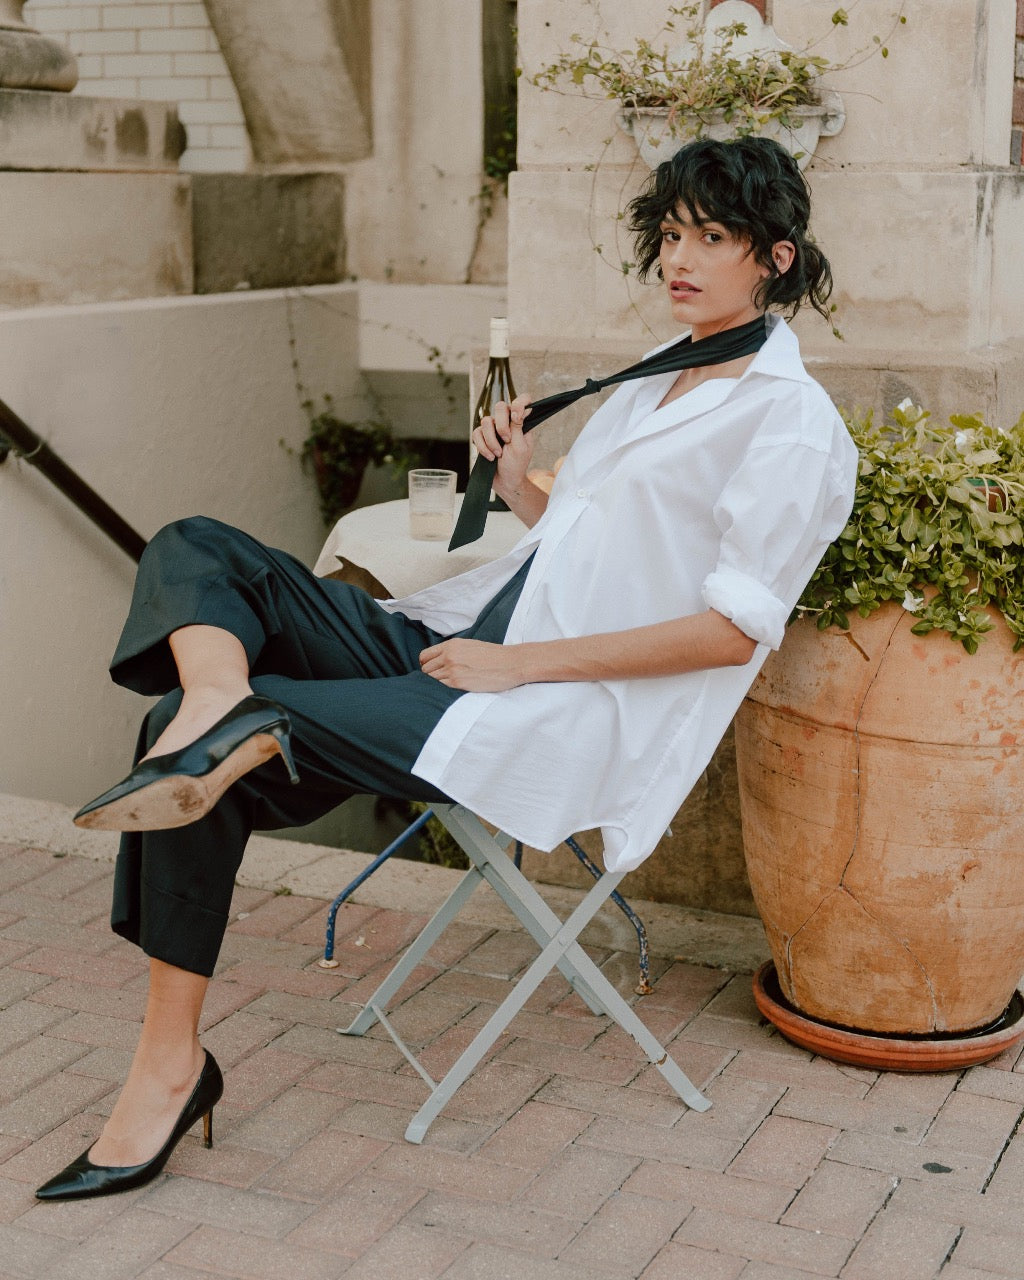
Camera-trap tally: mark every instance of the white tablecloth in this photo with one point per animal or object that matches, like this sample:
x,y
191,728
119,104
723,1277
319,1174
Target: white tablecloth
x,y
376,539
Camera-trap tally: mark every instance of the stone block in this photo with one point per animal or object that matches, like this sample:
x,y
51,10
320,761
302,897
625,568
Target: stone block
x,y
421,406
266,231
891,290
947,380
91,237
48,131
559,128
926,104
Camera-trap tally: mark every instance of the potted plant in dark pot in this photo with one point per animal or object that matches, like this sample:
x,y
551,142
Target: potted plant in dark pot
x,y
881,762
339,452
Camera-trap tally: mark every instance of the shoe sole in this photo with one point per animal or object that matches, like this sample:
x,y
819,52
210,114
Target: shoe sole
x,y
179,799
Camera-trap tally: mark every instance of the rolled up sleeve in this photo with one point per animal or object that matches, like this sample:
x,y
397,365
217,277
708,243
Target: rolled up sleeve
x,y
782,507
746,602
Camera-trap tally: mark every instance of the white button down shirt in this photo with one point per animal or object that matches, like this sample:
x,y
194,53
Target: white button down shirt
x,y
725,498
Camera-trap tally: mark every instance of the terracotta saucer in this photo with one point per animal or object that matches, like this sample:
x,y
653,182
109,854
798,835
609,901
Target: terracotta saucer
x,y
887,1052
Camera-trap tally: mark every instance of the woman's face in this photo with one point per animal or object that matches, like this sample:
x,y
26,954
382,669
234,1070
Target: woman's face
x,y
710,274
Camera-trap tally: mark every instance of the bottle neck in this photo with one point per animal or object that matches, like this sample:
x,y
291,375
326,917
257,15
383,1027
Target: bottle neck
x,y
499,341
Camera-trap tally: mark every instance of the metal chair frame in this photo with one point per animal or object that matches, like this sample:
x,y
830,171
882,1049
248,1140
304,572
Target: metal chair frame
x,y
559,948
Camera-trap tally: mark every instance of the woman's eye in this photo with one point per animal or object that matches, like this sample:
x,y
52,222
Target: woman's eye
x,y
713,237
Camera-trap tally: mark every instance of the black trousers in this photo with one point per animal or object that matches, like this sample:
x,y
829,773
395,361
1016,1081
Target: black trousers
x,y
345,669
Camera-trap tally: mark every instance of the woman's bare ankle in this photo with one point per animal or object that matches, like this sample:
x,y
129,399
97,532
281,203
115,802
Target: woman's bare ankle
x,y
158,1086
201,707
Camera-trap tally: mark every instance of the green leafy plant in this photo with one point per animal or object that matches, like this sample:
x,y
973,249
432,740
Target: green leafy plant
x,y
339,452
746,90
936,527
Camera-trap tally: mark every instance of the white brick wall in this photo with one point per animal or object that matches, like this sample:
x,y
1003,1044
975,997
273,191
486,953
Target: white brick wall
x,y
155,49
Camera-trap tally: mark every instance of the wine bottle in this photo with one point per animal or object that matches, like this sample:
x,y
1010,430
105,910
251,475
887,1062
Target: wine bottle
x,y
497,385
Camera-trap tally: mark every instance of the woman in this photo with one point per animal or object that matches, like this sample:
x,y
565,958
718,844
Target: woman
x,y
583,680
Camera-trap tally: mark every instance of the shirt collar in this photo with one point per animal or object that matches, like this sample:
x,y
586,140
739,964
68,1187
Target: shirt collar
x,y
778,358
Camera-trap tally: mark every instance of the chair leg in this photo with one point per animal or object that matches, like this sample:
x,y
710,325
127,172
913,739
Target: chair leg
x,y
365,1019
524,988
559,948
521,898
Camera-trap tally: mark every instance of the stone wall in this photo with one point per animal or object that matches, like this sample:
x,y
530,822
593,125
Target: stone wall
x,y
160,49
920,169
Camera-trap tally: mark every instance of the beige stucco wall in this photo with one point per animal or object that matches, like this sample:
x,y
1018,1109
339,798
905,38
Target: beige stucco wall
x,y
167,408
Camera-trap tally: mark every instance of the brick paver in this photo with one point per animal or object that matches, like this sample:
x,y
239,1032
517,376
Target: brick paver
x,y
565,1156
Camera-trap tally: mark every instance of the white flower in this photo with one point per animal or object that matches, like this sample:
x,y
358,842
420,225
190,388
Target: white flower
x,y
911,602
964,441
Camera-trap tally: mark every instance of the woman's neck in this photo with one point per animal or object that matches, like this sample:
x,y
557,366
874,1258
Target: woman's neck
x,y
688,379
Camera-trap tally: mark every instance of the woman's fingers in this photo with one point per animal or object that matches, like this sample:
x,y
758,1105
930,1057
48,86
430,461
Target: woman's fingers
x,y
504,422
485,440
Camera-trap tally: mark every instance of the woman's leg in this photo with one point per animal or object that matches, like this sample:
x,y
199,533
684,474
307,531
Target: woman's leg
x,y
212,605
346,671
167,1063
173,888
213,672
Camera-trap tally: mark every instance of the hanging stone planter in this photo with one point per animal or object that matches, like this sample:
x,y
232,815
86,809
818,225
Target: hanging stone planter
x,y
660,131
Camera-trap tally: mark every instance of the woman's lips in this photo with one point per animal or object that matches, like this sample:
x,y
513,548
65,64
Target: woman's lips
x,y
681,289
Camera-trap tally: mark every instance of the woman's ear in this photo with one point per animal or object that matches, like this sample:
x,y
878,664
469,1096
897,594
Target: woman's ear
x,y
783,253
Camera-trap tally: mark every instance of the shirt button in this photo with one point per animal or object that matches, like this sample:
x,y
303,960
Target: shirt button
x,y
582,493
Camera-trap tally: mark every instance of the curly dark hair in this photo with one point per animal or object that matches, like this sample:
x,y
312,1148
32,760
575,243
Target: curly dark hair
x,y
753,187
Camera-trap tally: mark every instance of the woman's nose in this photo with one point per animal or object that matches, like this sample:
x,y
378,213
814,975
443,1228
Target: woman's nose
x,y
679,253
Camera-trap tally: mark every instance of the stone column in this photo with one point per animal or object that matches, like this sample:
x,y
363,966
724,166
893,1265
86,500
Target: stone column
x,y
298,67
29,60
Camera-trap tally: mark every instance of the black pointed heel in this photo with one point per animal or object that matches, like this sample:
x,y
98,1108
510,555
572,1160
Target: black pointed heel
x,y
82,1178
181,787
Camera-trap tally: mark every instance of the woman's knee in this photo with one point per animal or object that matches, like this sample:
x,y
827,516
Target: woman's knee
x,y
201,530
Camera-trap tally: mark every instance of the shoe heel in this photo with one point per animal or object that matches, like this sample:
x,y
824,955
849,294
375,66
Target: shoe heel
x,y
284,743
208,1129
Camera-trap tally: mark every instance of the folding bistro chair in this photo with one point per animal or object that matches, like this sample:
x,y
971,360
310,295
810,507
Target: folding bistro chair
x,y
557,940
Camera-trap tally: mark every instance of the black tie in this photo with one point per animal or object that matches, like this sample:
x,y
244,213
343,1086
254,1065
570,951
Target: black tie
x,y
730,344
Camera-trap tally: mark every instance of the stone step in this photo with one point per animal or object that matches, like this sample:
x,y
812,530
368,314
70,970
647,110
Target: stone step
x,y
40,130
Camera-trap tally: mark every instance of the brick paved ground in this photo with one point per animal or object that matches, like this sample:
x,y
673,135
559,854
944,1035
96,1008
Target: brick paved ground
x,y
564,1158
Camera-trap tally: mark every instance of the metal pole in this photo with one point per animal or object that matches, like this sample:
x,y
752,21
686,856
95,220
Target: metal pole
x,y
32,448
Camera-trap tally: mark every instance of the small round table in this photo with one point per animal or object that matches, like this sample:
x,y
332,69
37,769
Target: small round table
x,y
371,548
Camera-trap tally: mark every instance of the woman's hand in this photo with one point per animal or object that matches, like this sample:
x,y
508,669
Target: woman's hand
x,y
500,438
473,665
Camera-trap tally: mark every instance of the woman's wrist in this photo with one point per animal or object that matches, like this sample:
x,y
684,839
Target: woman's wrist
x,y
522,497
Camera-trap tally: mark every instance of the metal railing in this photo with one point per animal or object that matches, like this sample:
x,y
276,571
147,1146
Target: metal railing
x,y
25,444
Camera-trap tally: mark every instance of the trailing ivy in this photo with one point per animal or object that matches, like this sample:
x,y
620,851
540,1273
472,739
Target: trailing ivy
x,y
746,89
936,526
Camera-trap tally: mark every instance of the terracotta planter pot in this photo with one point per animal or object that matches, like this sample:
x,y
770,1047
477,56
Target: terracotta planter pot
x,y
881,780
